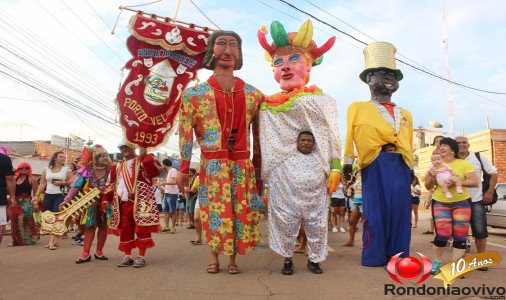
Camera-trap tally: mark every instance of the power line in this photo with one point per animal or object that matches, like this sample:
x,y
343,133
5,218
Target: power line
x,y
84,44
66,68
401,61
100,17
98,37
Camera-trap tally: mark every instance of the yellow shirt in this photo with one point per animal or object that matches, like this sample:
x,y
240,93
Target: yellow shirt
x,y
461,168
369,129
195,185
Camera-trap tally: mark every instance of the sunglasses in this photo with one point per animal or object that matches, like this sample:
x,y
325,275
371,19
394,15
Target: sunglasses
x,y
24,168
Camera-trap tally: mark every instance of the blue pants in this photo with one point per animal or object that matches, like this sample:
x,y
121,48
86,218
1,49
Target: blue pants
x,y
386,203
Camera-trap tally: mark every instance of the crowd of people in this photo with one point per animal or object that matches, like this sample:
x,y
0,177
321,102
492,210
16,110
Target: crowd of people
x,y
294,138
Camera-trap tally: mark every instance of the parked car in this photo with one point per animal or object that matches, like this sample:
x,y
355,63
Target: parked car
x,y
496,217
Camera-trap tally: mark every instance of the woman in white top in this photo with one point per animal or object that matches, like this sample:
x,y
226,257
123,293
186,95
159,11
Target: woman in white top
x,y
338,204
53,180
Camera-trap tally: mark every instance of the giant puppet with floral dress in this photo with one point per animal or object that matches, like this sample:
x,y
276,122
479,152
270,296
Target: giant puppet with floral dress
x,y
298,182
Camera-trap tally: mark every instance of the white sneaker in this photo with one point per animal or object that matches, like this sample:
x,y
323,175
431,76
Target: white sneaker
x,y
342,229
334,229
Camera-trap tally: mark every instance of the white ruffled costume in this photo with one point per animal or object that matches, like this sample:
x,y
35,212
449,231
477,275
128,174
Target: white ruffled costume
x,y
298,182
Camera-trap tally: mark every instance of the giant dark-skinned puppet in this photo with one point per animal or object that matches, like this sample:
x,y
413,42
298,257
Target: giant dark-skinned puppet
x,y
385,176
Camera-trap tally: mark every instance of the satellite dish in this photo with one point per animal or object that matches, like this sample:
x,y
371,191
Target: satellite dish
x,y
435,124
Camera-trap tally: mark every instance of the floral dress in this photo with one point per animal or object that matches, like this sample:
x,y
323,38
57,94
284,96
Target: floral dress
x,y
24,229
222,123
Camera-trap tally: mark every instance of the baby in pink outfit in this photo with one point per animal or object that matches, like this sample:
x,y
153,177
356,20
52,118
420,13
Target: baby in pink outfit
x,y
445,174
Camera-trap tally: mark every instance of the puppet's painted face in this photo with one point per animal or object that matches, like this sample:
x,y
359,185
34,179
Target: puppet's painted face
x,y
383,82
226,51
291,71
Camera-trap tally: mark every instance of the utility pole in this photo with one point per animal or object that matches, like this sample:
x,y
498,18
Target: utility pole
x,y
448,77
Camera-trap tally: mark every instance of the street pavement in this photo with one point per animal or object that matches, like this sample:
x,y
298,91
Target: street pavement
x,y
176,269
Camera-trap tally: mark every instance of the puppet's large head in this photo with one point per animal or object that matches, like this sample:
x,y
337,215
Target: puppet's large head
x,y
292,54
209,58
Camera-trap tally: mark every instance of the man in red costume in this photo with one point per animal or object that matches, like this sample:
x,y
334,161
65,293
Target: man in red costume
x,y
135,215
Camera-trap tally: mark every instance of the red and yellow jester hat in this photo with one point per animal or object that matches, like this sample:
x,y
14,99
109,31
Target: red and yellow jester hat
x,y
293,42
89,155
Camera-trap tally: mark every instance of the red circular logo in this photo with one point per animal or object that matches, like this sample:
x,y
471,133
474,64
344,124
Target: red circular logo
x,y
409,268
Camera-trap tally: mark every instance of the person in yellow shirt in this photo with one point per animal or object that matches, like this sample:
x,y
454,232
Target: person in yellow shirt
x,y
386,181
451,215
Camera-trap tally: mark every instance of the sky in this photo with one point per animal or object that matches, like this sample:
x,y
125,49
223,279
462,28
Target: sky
x,y
60,66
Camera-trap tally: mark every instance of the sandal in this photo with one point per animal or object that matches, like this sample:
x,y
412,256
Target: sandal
x,y
428,232
213,268
196,243
232,269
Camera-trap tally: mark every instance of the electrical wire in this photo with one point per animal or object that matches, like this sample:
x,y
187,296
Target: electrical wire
x,y
204,14
76,37
93,32
100,17
401,61
66,68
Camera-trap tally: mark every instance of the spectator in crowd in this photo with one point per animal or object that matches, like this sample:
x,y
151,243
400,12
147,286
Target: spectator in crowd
x,y
159,192
479,199
338,204
170,198
193,206
181,208
451,215
54,179
7,188
416,191
428,201
191,196
24,230
355,207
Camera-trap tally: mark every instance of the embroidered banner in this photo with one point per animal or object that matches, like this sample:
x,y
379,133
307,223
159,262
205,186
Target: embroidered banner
x,y
165,58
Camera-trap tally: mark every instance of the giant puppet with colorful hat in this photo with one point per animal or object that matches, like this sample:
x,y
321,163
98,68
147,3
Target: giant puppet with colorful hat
x,y
386,176
297,180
